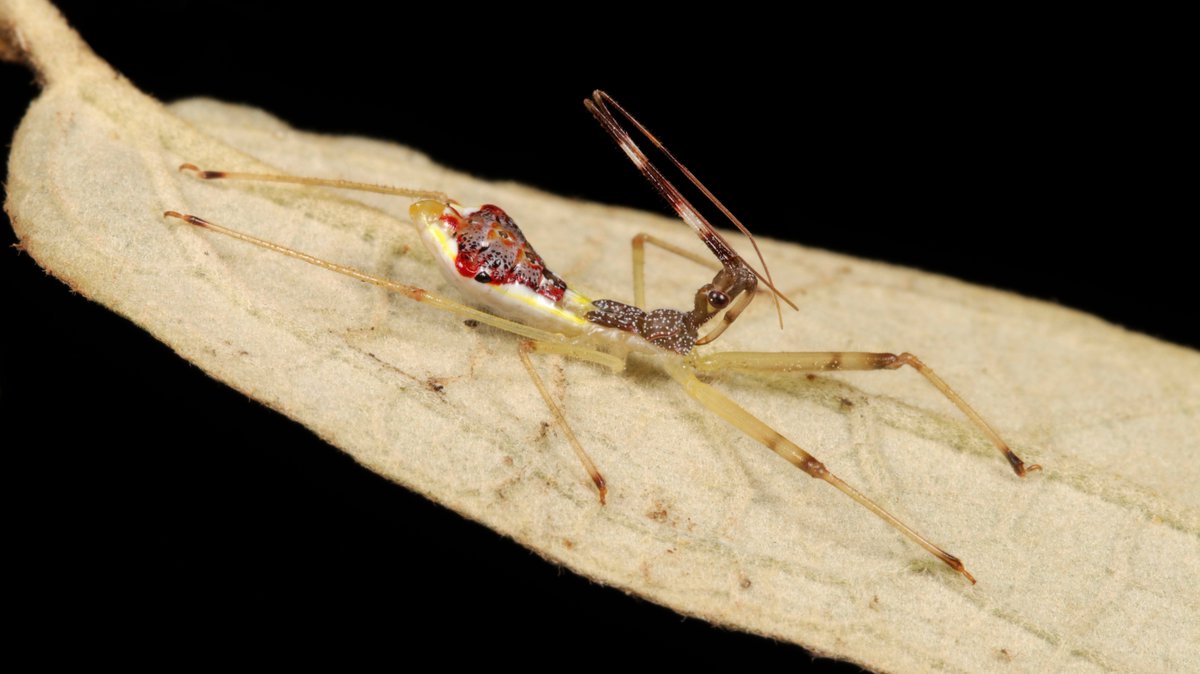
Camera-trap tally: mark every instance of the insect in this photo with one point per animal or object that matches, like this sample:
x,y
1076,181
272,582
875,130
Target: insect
x,y
485,255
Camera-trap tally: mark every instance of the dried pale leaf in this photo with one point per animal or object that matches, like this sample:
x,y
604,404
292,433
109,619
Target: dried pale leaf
x,y
1090,566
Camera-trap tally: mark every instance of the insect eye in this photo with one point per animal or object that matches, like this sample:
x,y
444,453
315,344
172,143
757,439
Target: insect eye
x,y
483,277
718,299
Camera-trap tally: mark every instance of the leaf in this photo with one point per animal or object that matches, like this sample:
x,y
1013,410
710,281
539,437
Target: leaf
x,y
1091,565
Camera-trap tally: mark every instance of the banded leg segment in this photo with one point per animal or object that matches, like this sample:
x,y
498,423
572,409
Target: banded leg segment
x,y
529,346
832,361
751,425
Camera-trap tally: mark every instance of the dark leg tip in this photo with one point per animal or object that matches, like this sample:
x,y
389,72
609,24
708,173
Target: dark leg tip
x,y
956,564
190,219
200,173
1018,465
603,489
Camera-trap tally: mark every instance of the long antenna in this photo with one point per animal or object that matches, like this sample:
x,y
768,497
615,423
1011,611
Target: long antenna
x,y
684,208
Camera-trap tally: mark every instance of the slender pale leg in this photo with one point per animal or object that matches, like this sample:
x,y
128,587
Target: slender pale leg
x,y
639,263
581,353
317,182
830,361
751,425
409,291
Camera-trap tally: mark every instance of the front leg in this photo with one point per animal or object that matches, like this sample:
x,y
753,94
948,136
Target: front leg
x,y
832,361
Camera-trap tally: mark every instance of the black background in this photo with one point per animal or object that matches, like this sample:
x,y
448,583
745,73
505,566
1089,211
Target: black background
x,y
1026,156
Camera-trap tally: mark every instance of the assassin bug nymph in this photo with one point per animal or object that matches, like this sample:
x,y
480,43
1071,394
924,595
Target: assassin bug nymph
x,y
485,255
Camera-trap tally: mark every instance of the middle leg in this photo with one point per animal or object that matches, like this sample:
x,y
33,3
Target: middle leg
x,y
591,355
